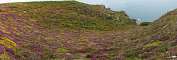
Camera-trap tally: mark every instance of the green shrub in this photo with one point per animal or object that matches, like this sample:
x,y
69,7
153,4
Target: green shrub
x,y
164,48
132,54
49,55
62,50
145,23
133,58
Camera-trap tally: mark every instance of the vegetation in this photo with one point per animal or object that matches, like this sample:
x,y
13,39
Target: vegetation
x,y
155,43
67,30
145,23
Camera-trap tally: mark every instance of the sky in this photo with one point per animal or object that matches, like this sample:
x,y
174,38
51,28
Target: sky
x,y
144,10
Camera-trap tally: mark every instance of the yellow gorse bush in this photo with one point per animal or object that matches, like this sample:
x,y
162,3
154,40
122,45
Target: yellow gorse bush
x,y
4,56
6,42
153,44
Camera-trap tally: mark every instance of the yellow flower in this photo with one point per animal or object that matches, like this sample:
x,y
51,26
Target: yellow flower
x,y
7,42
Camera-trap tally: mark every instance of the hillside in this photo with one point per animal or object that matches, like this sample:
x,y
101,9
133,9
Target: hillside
x,y
60,30
157,41
70,14
70,30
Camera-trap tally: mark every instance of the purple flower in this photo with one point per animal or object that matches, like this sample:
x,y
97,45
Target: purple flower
x,y
94,57
156,37
1,49
5,16
10,51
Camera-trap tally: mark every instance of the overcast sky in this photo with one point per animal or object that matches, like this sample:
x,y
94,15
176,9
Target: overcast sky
x,y
147,10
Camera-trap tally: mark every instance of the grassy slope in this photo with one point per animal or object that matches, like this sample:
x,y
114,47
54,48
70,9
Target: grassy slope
x,y
54,30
